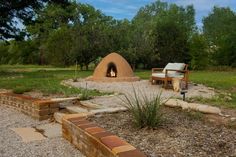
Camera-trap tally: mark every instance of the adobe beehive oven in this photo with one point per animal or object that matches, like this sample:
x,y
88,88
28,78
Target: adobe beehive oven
x,y
113,68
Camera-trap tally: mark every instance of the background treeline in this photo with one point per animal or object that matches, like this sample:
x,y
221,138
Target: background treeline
x,y
159,33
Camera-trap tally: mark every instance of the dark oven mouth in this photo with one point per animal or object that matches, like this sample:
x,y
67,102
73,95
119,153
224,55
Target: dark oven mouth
x,y
111,70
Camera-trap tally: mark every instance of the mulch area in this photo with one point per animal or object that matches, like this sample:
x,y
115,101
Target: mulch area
x,y
181,134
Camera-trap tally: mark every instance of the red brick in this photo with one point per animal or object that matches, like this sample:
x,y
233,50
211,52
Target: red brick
x,y
113,141
76,119
132,153
42,112
54,105
102,134
89,125
80,122
94,130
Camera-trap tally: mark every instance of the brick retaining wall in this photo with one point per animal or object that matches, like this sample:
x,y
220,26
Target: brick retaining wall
x,y
36,108
94,141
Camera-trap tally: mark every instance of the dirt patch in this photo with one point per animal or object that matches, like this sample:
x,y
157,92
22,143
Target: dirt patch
x,y
181,134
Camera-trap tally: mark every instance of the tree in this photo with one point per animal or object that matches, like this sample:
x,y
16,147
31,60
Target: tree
x,y
4,52
58,47
14,11
50,19
162,31
219,27
90,38
199,52
18,52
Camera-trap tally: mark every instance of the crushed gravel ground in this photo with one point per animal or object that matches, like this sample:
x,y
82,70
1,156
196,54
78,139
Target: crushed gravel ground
x,y
181,134
144,86
12,146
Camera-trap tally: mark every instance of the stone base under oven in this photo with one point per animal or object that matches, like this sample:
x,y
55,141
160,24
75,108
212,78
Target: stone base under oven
x,y
113,79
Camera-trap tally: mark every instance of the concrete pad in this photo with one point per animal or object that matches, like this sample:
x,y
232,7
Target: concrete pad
x,y
50,130
28,134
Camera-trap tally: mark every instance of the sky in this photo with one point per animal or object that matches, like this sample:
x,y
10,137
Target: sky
x,y
121,9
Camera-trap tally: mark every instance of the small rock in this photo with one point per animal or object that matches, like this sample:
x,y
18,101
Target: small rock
x,y
233,119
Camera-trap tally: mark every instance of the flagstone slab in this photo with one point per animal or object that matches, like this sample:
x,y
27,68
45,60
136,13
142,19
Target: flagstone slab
x,y
28,134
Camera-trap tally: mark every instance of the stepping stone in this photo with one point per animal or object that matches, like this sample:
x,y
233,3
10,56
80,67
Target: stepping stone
x,y
28,134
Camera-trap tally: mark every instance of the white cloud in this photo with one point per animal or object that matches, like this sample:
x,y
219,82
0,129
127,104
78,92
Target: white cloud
x,y
206,5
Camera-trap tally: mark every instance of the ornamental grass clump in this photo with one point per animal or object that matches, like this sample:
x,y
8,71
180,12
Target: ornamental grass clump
x,y
145,110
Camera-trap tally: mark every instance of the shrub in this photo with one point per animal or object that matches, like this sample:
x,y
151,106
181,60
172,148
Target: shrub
x,y
21,90
85,94
145,111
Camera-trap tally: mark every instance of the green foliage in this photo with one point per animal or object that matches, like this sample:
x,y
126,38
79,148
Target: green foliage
x,y
199,53
162,31
89,35
4,53
24,11
43,79
225,81
172,34
18,52
220,30
58,47
85,94
21,90
145,111
63,33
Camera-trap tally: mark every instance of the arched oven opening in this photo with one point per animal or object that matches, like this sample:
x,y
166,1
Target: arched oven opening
x,y
111,70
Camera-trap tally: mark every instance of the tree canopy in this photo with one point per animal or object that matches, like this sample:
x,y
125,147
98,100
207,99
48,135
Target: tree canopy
x,y
64,32
15,11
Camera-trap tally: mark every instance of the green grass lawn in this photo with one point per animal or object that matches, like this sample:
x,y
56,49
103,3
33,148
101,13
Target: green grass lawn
x,y
224,81
40,78
47,79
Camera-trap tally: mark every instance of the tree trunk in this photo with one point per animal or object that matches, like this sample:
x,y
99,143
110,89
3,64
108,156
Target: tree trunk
x,y
133,66
81,67
87,67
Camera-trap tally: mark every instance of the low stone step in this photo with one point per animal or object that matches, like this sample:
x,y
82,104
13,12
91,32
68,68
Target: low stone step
x,y
108,110
89,104
76,109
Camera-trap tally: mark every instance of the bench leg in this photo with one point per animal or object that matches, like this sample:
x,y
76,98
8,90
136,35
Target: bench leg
x,y
165,83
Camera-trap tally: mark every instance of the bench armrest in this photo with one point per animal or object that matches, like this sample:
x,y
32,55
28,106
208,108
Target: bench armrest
x,y
182,71
185,72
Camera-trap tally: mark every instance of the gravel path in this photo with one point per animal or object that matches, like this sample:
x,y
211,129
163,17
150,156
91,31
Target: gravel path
x,y
12,146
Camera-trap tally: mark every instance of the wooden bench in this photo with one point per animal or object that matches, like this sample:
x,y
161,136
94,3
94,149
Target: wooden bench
x,y
172,70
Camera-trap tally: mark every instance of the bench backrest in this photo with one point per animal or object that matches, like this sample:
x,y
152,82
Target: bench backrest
x,y
175,66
